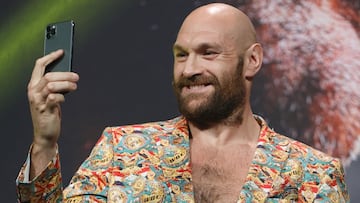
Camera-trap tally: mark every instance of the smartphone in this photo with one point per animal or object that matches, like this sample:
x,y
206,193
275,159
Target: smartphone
x,y
59,35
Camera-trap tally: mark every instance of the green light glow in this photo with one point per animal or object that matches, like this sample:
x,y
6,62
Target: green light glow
x,y
21,36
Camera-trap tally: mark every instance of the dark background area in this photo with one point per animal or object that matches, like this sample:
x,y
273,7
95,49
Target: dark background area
x,y
125,68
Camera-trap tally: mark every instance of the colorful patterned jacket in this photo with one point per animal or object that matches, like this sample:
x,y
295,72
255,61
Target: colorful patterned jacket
x,y
151,163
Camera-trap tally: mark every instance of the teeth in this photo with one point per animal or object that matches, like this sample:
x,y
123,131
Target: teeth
x,y
196,86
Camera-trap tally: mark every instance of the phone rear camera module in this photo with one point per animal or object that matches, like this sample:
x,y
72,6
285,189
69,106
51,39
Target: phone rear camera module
x,y
50,31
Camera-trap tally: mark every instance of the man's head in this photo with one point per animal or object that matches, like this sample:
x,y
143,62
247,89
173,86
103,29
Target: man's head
x,y
215,58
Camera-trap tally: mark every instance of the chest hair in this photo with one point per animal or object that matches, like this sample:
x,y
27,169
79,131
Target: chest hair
x,y
219,174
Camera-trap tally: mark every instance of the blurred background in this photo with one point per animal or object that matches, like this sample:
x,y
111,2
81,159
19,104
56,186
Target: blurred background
x,y
307,88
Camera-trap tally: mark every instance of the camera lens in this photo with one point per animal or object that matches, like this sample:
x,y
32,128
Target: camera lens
x,y
48,35
48,28
53,30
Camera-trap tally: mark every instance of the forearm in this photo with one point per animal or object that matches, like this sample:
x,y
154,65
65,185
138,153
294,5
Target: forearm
x,y
40,158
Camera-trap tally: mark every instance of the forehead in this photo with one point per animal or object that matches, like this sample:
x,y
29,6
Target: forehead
x,y
196,38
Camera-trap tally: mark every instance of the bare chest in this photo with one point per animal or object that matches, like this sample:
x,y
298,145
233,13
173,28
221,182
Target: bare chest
x,y
218,175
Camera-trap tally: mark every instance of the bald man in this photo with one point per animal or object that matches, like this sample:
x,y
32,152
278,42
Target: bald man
x,y
216,151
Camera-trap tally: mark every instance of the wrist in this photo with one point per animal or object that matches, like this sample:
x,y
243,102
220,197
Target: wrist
x,y
44,141
43,145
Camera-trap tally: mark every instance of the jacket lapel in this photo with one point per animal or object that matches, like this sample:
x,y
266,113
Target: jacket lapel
x,y
263,180
175,162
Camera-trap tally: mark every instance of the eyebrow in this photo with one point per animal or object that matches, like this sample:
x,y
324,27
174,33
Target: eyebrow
x,y
201,46
176,46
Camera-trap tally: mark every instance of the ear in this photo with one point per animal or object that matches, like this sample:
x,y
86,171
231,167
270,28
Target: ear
x,y
254,57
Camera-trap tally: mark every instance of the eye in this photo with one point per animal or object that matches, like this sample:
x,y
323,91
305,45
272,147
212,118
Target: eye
x,y
210,53
180,55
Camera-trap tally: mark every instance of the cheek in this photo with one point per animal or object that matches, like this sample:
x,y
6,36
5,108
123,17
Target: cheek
x,y
229,77
224,73
177,71
176,77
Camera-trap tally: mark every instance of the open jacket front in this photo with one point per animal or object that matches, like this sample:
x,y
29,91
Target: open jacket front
x,y
151,163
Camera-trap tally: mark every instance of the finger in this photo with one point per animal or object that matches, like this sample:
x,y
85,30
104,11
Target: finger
x,y
41,64
62,76
53,78
53,100
59,87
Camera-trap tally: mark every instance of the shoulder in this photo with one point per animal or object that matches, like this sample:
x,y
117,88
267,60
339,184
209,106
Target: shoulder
x,y
307,153
148,127
132,138
294,148
144,131
311,171
307,156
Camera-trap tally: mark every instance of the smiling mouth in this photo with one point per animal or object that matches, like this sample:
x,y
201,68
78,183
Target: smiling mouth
x,y
196,86
188,89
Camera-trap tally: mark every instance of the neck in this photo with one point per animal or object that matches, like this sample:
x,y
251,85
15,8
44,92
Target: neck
x,y
228,133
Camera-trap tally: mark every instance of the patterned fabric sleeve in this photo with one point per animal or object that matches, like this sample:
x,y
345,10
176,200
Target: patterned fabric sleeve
x,y
89,184
91,181
46,187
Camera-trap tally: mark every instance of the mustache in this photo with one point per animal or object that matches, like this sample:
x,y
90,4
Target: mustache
x,y
195,80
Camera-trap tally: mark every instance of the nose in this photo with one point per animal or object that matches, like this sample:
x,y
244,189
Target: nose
x,y
191,66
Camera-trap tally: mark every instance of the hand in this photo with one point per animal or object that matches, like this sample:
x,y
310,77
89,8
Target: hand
x,y
45,96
